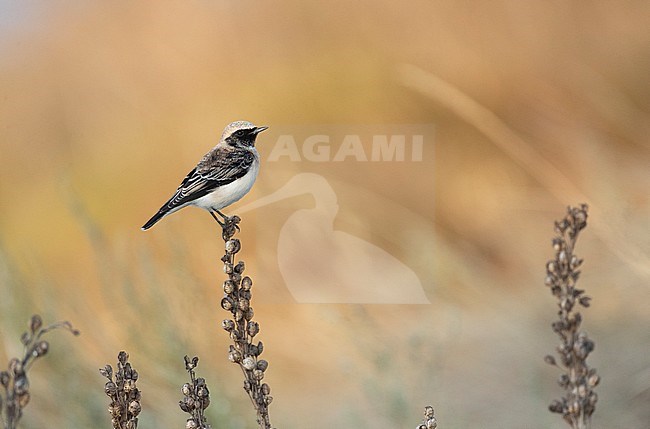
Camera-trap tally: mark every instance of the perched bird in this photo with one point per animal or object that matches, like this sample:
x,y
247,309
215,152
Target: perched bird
x,y
223,176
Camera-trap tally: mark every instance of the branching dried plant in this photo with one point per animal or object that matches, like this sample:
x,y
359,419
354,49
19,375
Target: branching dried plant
x,y
125,395
15,393
577,379
429,421
196,397
241,327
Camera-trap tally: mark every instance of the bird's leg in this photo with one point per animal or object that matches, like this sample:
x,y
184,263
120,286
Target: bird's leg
x,y
222,215
223,225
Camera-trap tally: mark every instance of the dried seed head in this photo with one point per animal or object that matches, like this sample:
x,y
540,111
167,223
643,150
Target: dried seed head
x,y
551,267
191,424
16,367
262,365
190,364
228,324
240,267
429,421
249,363
203,392
575,262
135,408
228,287
246,283
183,405
550,360
23,400
235,277
253,328
35,323
233,246
556,407
561,226
266,389
41,349
227,303
205,403
258,374
227,268
107,371
4,378
428,412
21,385
110,388
580,218
234,356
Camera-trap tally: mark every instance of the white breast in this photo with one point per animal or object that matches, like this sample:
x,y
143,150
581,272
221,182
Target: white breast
x,y
232,192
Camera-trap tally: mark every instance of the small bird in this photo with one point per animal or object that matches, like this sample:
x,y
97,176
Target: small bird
x,y
223,176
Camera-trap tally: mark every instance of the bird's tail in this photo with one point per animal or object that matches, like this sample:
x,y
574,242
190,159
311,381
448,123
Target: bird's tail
x,y
155,218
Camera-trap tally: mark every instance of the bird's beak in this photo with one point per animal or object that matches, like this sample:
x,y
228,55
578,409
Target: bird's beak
x,y
258,130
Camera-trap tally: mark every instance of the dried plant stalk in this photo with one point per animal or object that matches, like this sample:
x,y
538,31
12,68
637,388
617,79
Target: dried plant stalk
x,y
196,397
14,395
125,395
577,379
242,328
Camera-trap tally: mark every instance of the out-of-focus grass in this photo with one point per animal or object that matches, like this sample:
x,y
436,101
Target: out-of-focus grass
x,y
105,106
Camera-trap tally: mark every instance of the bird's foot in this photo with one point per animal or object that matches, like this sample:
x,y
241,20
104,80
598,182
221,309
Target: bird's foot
x,y
229,226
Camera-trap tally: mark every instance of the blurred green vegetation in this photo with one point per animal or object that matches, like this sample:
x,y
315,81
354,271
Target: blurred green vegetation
x,y
106,105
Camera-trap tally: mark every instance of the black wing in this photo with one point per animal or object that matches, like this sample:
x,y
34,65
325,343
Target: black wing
x,y
217,168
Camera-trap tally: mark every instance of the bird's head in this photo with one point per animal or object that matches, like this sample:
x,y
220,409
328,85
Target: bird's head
x,y
241,133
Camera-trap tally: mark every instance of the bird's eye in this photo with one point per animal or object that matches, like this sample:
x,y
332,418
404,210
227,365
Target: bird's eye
x,y
240,133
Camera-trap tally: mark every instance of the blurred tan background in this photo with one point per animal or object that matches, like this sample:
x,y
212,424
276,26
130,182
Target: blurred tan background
x,y
105,106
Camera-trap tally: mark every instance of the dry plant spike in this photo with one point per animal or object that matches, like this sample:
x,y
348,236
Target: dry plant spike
x,y
429,421
14,395
562,273
196,397
242,328
125,395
